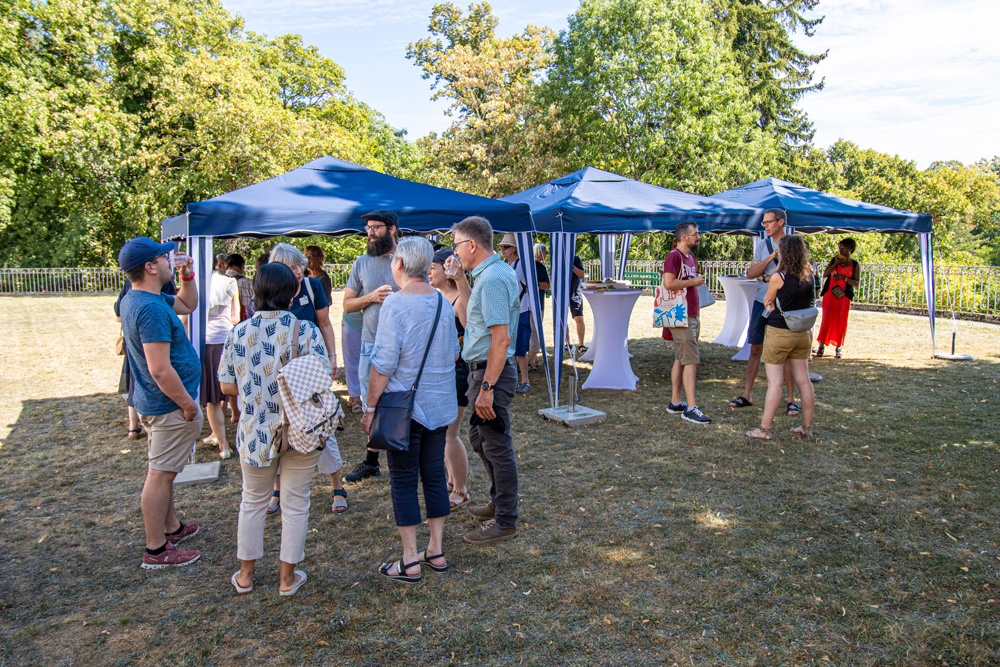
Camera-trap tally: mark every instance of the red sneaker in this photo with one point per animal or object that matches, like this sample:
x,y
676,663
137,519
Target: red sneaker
x,y
171,557
190,529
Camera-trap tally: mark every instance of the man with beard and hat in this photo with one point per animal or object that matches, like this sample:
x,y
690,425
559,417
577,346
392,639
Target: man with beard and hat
x,y
680,271
369,283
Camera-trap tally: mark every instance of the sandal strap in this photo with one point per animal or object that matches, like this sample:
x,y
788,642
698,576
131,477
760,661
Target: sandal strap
x,y
428,559
276,493
341,492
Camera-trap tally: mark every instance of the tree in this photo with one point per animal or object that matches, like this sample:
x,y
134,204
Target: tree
x,y
652,95
115,115
500,140
777,72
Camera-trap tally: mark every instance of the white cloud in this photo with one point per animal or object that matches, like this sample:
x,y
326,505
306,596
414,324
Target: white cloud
x,y
912,78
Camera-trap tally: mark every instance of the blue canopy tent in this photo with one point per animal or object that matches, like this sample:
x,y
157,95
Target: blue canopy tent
x,y
327,197
595,201
811,211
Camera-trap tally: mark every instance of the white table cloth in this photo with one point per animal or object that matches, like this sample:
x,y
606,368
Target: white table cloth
x,y
612,310
740,294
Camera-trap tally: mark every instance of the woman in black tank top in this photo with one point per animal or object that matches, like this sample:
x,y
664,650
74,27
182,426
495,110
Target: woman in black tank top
x,y
793,288
456,458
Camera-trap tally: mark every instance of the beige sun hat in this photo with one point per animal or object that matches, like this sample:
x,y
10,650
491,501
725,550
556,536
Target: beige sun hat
x,y
508,239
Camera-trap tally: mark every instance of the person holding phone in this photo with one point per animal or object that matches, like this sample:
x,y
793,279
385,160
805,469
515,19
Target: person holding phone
x,y
167,373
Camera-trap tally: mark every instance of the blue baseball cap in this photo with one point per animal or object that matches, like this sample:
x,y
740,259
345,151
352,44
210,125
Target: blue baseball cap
x,y
140,250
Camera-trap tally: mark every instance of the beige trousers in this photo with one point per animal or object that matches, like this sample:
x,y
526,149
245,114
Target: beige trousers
x,y
258,482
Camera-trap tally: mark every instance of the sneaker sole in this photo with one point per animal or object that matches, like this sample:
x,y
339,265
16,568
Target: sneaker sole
x,y
348,479
695,421
163,566
489,541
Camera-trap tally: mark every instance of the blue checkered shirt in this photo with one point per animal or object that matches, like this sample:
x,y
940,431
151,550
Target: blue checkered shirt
x,y
493,301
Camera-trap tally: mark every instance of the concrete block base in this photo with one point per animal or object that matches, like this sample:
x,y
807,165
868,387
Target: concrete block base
x,y
198,473
581,416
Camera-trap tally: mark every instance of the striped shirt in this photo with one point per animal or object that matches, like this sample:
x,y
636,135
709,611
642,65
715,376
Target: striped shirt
x,y
493,301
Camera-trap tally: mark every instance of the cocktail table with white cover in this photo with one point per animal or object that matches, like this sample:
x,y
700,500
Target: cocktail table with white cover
x,y
612,310
740,294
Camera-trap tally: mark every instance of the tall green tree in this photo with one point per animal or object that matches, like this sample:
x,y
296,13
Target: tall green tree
x,y
776,71
501,139
115,115
653,95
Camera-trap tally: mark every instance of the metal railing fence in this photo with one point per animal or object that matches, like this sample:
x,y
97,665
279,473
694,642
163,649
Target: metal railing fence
x,y
969,290
98,280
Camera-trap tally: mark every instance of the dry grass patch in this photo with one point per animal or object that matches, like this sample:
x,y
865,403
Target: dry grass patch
x,y
644,540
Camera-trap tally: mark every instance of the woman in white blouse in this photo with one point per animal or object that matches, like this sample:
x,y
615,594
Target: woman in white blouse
x,y
404,327
249,369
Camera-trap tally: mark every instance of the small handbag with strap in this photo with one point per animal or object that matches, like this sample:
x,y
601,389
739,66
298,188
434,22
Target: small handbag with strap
x,y
120,343
799,320
391,426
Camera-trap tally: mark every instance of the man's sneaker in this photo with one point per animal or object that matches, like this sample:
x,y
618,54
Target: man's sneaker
x,y
695,416
677,408
490,532
482,512
189,530
522,388
171,557
362,471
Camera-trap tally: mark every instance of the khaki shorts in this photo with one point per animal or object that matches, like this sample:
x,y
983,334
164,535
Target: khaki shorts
x,y
783,344
170,439
686,342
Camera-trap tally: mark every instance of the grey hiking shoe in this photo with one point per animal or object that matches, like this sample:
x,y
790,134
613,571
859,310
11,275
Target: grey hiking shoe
x,y
490,532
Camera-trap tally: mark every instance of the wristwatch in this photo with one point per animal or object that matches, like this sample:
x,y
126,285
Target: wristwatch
x,y
371,409
487,386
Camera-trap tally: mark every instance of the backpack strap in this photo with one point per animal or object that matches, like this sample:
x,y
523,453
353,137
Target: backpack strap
x,y
770,248
312,299
434,326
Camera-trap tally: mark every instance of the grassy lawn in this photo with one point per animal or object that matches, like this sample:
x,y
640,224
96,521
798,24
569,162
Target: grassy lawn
x,y
644,540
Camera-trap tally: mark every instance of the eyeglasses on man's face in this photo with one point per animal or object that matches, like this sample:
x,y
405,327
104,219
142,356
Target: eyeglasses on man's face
x,y
769,221
373,228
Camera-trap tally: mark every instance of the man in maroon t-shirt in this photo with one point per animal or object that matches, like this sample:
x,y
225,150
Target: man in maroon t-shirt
x,y
680,271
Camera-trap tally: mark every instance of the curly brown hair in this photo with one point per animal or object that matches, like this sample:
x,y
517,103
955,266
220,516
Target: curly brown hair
x,y
794,257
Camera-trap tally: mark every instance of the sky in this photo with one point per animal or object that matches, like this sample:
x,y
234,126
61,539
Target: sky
x,y
914,78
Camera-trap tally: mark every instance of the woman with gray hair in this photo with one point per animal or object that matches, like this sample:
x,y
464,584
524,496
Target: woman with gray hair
x,y
310,304
404,336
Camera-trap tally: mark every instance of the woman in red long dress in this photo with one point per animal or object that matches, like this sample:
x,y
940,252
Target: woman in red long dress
x,y
840,278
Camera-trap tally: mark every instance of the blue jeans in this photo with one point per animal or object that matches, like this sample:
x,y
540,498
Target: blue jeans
x,y
365,369
424,462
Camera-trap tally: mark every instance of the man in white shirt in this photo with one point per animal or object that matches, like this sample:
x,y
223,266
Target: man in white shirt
x,y
763,266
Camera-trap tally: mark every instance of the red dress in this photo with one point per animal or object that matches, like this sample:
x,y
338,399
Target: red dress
x,y
833,327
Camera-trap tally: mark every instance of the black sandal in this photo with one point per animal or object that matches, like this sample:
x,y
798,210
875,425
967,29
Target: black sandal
x,y
424,559
137,431
740,402
793,409
401,569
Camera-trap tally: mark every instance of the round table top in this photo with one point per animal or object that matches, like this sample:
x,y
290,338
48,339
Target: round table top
x,y
631,290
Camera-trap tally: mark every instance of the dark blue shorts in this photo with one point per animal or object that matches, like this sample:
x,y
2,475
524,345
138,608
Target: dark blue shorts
x,y
758,324
523,335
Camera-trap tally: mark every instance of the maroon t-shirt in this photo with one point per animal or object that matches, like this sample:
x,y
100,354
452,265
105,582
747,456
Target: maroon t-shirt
x,y
685,268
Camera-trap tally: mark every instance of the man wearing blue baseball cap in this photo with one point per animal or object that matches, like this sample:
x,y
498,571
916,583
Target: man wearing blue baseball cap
x,y
167,375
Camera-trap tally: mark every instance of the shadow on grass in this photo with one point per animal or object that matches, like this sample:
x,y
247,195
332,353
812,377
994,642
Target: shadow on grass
x,y
643,540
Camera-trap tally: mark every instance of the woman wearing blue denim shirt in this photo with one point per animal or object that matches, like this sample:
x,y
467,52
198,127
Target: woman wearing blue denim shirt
x,y
405,324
